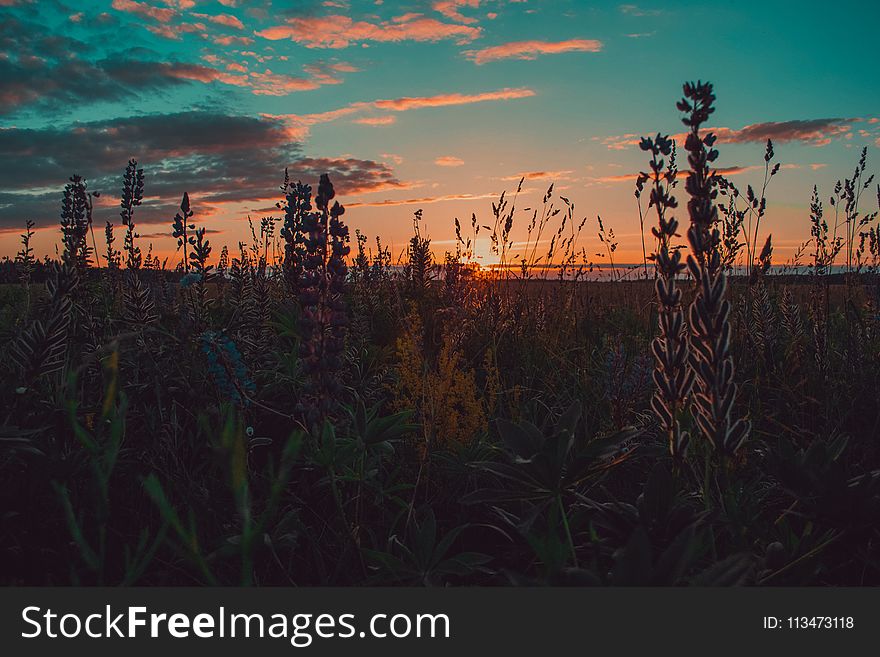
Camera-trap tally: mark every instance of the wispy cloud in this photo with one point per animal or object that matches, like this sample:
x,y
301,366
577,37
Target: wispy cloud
x,y
448,161
540,175
444,100
421,201
404,104
343,31
375,121
635,10
532,49
631,177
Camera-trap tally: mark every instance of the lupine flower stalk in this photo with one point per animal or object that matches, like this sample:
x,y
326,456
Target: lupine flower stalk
x,y
181,227
132,196
673,376
709,313
75,220
322,282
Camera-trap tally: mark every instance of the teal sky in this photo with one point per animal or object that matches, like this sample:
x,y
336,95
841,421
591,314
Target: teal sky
x,y
433,104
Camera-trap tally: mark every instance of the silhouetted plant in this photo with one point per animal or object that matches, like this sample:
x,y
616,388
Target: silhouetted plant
x,y
297,205
202,271
709,313
76,219
321,295
132,196
112,257
673,376
418,269
24,259
181,227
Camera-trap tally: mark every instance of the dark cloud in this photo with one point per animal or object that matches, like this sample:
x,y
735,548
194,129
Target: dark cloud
x,y
815,131
216,157
43,70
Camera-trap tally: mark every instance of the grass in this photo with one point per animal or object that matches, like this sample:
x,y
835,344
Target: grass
x,y
295,414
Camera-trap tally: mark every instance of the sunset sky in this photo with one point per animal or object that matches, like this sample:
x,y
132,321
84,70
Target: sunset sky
x,y
432,104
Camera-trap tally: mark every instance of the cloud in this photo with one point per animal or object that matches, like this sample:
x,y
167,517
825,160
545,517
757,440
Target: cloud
x,y
620,142
342,31
54,72
421,201
228,40
175,32
817,132
54,84
539,175
145,10
448,161
218,158
532,49
451,9
267,83
376,120
631,177
443,100
635,10
227,20
302,122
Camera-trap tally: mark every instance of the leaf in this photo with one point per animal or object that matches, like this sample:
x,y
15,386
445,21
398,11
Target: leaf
x,y
524,440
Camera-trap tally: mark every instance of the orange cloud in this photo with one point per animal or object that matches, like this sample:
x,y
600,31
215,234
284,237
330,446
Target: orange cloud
x,y
422,201
621,142
226,20
451,9
627,177
265,83
532,49
539,175
229,40
144,10
442,100
199,73
448,161
301,123
377,120
342,31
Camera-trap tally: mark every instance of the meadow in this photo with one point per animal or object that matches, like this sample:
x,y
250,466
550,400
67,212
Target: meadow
x,y
306,410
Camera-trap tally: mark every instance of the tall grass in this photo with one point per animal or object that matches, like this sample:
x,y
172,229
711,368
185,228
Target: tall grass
x,y
287,412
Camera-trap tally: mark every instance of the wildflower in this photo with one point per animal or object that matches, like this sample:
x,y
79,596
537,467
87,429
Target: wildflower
x,y
709,313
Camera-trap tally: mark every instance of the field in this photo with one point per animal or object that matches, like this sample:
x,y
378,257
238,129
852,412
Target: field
x,y
326,416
